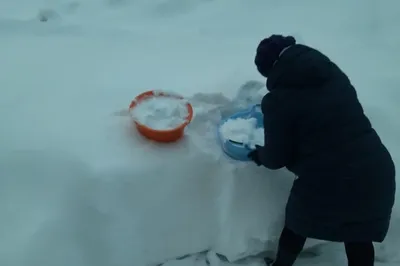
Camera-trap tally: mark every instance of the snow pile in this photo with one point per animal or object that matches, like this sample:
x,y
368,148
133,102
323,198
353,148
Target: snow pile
x,y
243,130
161,113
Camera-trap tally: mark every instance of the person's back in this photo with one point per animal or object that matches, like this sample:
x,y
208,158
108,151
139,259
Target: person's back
x,y
328,114
316,127
339,158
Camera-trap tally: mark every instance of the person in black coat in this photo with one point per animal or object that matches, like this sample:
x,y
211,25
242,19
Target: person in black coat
x,y
315,126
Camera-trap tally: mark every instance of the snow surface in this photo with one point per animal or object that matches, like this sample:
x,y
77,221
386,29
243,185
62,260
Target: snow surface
x,y
243,130
161,113
78,186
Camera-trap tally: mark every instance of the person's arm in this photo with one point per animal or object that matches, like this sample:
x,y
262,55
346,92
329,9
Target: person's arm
x,y
278,130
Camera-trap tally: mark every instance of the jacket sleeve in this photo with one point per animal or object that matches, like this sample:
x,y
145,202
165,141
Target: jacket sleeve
x,y
278,129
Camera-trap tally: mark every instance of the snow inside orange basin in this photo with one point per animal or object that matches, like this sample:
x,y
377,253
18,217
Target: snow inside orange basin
x,y
161,116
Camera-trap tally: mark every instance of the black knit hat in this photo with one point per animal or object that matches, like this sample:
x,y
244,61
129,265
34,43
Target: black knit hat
x,y
268,52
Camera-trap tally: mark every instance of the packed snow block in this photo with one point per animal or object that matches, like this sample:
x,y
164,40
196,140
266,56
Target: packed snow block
x,y
253,211
163,207
182,198
144,204
46,218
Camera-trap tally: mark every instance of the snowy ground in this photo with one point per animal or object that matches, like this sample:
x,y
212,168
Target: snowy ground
x,y
79,187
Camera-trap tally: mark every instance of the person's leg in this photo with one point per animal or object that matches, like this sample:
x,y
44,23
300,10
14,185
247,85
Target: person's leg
x,y
360,253
290,246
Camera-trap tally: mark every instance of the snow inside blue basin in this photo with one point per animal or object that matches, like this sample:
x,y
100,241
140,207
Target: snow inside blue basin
x,y
239,133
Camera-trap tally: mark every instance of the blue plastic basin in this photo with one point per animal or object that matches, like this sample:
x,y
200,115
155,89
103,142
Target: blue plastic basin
x,y
235,150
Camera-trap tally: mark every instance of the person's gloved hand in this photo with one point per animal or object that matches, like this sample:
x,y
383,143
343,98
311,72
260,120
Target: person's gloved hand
x,y
254,155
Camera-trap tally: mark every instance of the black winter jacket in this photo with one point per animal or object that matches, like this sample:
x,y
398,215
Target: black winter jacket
x,y
316,127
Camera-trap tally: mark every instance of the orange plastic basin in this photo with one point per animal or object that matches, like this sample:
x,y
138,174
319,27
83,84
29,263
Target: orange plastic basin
x,y
165,136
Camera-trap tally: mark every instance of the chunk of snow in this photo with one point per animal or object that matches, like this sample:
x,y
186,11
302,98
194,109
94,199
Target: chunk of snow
x,y
161,113
243,130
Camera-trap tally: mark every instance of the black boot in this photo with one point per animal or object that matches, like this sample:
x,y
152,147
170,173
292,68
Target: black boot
x,y
290,246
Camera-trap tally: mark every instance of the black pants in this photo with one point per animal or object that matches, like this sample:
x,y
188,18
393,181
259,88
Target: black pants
x,y
291,244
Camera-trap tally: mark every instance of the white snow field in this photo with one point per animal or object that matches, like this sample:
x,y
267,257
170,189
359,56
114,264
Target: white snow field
x,y
78,186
